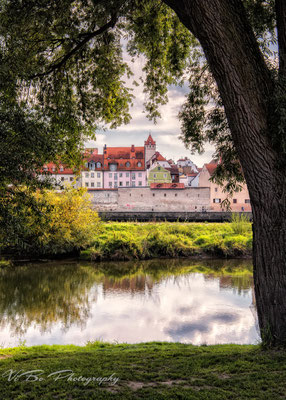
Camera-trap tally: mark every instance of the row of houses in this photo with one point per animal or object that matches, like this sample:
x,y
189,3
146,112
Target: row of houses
x,y
140,178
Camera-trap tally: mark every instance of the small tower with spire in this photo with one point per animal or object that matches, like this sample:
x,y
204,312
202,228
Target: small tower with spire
x,y
150,148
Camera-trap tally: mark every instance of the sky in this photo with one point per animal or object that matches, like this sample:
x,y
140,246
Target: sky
x,y
165,132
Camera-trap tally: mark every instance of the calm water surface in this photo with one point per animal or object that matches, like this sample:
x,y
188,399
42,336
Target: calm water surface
x,y
192,302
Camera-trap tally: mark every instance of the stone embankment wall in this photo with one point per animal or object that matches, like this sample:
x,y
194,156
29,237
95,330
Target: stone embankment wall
x,y
145,199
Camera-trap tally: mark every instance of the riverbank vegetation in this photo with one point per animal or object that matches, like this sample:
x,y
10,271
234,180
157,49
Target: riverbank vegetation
x,y
52,223
131,240
154,370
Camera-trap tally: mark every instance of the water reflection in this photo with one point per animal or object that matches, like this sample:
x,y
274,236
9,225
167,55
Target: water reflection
x,y
173,300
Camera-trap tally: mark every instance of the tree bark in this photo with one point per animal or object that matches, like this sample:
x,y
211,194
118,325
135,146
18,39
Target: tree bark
x,y
246,88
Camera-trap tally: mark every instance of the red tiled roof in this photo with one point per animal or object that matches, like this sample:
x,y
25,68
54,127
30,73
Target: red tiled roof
x,y
53,169
211,167
159,157
123,155
150,140
167,186
194,174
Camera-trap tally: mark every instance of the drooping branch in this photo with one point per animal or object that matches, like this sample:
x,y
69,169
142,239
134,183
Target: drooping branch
x,y
87,37
280,6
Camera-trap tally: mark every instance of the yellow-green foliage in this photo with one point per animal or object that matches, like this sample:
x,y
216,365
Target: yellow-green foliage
x,y
58,222
126,240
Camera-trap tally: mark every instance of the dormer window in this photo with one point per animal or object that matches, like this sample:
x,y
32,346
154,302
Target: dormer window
x,y
139,164
127,164
98,165
61,168
113,167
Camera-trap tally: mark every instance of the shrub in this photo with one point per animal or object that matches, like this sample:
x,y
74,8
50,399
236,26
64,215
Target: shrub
x,y
56,223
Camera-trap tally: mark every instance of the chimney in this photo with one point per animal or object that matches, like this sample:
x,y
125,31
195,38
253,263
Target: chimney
x,y
132,148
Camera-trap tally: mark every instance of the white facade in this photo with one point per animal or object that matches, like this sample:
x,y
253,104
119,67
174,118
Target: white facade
x,y
92,179
186,162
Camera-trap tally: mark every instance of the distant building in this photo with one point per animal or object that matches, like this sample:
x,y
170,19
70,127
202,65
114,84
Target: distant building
x,y
60,175
150,149
186,162
124,167
92,173
159,175
240,200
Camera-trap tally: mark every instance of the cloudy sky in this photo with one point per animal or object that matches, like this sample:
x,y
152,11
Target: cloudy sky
x,y
165,132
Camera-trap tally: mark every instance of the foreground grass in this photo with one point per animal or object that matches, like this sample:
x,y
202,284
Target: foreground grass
x,y
144,371
131,240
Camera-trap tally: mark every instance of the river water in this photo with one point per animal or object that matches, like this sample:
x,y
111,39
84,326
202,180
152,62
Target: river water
x,y
199,302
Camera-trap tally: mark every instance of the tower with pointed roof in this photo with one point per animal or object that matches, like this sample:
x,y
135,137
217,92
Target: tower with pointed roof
x,y
150,148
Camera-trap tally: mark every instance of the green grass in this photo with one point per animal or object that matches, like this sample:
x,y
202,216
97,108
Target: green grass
x,y
132,240
146,371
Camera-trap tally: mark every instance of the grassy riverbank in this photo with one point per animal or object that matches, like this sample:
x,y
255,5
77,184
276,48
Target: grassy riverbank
x,y
144,371
131,240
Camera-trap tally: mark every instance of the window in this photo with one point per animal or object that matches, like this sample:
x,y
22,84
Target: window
x,y
45,168
139,164
127,174
86,184
165,195
116,176
127,164
215,190
62,178
98,184
133,176
110,184
133,184
98,165
159,168
86,174
112,167
234,201
120,175
71,179
140,183
98,174
92,184
127,183
165,175
61,168
115,184
153,194
92,174
176,194
120,183
140,174
110,174
154,175
53,169
247,201
216,200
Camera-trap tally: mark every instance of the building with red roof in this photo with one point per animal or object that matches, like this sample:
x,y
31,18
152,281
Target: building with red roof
x,y
124,167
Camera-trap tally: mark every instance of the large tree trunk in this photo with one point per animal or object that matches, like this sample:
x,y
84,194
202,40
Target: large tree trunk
x,y
246,87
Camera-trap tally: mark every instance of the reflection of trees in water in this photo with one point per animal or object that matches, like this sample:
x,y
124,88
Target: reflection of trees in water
x,y
47,294
44,295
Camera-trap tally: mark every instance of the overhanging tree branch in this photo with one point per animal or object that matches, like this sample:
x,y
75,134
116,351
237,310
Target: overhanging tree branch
x,y
87,37
280,7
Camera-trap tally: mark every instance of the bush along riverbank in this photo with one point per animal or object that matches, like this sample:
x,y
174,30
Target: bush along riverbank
x,y
127,240
154,370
